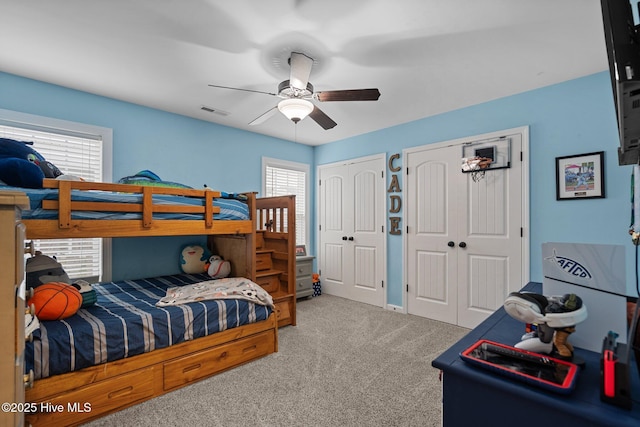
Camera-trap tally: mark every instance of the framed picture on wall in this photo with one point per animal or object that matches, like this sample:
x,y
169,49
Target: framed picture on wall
x,y
301,250
580,176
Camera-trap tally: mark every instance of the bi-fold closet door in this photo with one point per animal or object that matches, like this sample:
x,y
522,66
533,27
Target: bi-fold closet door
x,y
351,236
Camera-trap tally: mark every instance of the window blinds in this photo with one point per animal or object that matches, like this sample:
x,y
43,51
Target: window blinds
x,y
281,181
74,154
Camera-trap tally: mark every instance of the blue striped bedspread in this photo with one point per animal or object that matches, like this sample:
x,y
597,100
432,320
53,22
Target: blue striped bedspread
x,y
230,207
125,321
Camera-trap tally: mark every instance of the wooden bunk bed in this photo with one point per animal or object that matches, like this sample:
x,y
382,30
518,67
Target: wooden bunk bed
x,y
273,246
64,225
114,385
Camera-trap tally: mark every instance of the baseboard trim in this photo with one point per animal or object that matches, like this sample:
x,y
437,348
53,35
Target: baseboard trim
x,y
397,308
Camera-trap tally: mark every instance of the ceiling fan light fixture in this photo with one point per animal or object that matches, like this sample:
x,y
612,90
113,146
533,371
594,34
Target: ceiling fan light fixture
x,y
295,109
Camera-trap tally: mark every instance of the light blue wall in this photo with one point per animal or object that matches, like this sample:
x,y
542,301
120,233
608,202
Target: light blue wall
x,y
570,118
175,147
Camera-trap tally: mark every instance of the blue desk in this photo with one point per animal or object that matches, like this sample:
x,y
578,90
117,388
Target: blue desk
x,y
475,397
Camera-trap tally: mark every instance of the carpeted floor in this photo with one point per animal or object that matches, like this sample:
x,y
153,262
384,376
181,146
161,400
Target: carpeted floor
x,y
344,364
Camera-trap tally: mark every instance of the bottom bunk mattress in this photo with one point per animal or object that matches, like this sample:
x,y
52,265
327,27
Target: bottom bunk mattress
x,y
126,321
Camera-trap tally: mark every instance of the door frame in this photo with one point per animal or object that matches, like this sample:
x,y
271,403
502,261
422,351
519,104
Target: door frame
x,y
382,157
524,241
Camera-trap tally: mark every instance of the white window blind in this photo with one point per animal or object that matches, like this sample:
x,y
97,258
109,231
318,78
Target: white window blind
x,y
74,154
282,180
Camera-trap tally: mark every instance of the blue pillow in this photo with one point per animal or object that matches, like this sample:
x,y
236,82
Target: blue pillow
x,y
20,173
12,149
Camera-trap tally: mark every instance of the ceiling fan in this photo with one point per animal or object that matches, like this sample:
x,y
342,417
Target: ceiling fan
x,y
297,92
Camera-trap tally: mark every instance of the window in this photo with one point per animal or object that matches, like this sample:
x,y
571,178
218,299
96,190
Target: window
x,y
283,178
76,149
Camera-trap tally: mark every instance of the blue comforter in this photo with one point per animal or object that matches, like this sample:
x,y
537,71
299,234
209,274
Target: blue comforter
x,y
125,321
230,207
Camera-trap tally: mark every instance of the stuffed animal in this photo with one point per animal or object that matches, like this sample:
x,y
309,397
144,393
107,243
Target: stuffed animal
x,y
217,267
55,300
20,173
148,178
22,166
193,259
42,269
87,292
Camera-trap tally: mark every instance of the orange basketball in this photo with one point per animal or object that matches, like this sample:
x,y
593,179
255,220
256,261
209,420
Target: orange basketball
x,y
55,300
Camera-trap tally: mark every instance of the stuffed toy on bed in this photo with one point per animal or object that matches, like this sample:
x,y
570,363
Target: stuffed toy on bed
x,y
22,166
148,178
88,294
218,268
42,269
193,259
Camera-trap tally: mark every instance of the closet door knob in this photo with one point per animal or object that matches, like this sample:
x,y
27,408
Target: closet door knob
x,y
351,238
344,237
451,243
462,245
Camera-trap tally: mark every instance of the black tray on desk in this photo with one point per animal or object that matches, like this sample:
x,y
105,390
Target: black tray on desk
x,y
533,368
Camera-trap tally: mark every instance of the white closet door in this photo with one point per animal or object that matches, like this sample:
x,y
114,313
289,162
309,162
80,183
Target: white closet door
x,y
491,263
334,231
352,251
366,242
431,212
464,239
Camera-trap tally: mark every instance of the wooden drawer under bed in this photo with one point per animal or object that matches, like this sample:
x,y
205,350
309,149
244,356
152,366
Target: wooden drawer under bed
x,y
208,362
85,403
78,397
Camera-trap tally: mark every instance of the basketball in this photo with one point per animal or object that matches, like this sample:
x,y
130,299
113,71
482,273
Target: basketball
x,y
55,301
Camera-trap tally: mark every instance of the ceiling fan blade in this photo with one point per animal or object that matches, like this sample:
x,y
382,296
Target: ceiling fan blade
x,y
322,119
300,70
348,95
263,117
244,90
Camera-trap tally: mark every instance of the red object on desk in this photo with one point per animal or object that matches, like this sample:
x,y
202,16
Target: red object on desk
x,y
609,373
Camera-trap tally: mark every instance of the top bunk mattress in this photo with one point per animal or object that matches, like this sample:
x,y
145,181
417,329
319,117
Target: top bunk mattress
x,y
231,206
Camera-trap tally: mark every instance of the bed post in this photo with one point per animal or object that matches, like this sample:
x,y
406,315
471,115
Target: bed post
x,y
12,304
251,238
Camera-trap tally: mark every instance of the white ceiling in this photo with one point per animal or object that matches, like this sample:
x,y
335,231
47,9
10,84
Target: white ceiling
x,y
425,56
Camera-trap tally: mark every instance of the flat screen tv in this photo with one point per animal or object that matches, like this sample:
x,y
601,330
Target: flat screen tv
x,y
623,49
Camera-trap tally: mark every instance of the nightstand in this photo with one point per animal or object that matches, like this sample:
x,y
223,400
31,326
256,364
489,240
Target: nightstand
x,y
304,276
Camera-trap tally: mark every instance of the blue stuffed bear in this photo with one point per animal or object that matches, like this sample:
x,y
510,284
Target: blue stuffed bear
x,y
22,166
